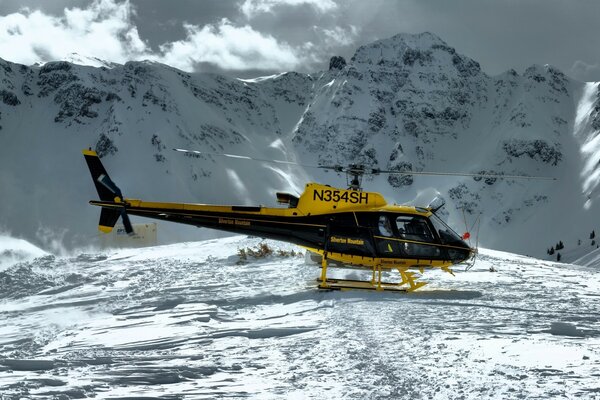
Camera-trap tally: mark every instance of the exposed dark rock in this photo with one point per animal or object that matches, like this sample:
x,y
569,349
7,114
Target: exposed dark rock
x,y
112,97
400,180
150,97
55,66
464,198
157,143
75,101
443,47
465,66
377,120
536,149
411,56
54,75
26,90
5,66
337,63
486,180
9,98
397,152
105,146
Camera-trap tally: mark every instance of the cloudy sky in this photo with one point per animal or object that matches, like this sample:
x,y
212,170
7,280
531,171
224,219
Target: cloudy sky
x,y
250,37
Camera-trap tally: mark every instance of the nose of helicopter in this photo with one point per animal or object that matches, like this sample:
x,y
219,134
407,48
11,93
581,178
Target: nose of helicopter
x,y
460,251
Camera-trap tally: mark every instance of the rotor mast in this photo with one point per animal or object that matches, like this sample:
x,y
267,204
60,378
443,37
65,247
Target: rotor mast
x,y
354,174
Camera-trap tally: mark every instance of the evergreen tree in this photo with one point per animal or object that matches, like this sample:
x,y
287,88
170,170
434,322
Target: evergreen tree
x,y
551,250
592,235
558,257
593,242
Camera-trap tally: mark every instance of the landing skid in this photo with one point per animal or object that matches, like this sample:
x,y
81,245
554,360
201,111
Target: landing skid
x,y
408,281
349,284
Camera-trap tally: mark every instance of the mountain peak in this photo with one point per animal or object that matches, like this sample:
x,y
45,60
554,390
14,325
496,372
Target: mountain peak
x,y
79,59
395,46
422,51
422,40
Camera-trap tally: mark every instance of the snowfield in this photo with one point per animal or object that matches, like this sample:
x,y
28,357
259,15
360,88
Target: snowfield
x,y
190,321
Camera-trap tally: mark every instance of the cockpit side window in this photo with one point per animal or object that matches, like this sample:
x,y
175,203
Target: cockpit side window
x,y
414,228
416,236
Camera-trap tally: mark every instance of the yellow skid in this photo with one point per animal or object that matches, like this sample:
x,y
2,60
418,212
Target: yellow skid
x,y
349,284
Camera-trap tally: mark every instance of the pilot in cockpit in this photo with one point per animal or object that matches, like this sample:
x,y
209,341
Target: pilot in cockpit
x,y
384,226
385,229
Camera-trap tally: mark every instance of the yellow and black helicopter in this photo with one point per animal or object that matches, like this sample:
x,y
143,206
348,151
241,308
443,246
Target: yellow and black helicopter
x,y
348,227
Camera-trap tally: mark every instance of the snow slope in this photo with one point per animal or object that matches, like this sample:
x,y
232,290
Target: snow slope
x,y
189,321
407,102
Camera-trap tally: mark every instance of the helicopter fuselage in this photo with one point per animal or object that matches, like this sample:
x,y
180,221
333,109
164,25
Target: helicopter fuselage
x,y
356,228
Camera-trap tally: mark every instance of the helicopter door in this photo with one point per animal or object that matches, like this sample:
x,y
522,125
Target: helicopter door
x,y
386,248
414,230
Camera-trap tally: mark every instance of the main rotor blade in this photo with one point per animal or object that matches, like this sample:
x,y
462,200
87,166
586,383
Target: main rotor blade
x,y
252,158
498,176
361,170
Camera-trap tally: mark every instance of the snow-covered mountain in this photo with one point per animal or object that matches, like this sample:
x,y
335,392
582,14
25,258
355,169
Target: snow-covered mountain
x,y
192,320
407,102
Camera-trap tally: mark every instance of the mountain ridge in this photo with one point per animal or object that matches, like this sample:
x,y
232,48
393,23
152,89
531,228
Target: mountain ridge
x,y
410,102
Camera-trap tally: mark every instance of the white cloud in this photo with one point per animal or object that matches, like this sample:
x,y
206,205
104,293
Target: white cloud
x,y
338,35
585,72
230,47
250,8
103,30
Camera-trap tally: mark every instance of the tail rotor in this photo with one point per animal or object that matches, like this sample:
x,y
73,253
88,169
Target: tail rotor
x,y
110,185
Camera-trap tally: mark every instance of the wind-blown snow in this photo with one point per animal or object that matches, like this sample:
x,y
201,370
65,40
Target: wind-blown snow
x,y
191,321
590,144
14,250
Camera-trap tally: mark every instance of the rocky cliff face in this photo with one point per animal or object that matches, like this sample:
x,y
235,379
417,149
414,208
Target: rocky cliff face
x,y
407,103
411,102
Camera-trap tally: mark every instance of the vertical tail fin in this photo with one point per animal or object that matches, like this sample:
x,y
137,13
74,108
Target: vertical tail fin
x,y
107,191
97,170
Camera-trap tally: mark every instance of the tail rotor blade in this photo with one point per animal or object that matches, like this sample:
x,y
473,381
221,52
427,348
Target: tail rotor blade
x,y
110,185
126,222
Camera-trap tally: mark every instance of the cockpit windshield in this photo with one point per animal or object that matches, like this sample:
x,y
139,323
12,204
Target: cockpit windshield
x,y
447,235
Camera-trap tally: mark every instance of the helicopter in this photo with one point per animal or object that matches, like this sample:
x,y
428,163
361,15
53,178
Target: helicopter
x,y
348,228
